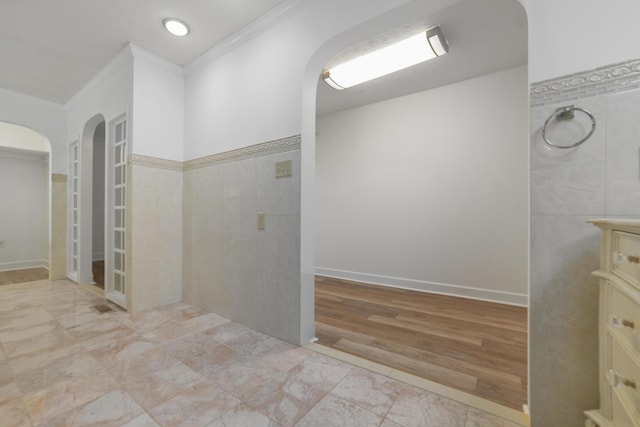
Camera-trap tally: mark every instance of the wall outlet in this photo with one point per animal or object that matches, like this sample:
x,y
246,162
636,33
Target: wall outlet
x,y
260,221
3,243
283,169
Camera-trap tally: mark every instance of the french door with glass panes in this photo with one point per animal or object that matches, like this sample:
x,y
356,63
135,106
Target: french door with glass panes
x,y
74,215
115,268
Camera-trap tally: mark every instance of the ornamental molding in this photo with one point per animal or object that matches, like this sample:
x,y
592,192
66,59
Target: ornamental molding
x,y
611,78
283,145
155,162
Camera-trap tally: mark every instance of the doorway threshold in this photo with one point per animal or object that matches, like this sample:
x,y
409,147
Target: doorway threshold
x,y
493,408
94,289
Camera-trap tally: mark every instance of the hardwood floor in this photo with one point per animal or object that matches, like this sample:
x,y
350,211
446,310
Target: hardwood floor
x,y
474,346
22,276
98,273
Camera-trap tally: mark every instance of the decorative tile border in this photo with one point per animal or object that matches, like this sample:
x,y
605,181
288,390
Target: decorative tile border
x,y
58,177
155,162
609,79
283,145
265,149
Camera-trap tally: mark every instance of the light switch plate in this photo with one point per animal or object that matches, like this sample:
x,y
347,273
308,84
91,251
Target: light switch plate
x,y
260,221
283,169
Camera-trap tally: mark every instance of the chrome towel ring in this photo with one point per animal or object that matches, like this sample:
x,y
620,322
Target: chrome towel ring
x,y
563,114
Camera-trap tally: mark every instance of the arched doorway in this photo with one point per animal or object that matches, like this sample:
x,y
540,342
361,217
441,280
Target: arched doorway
x,y
97,201
25,218
309,174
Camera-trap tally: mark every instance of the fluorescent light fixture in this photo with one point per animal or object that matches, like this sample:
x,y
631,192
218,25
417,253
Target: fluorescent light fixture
x,y
398,56
175,27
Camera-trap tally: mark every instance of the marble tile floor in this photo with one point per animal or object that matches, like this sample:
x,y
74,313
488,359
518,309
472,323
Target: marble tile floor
x,y
64,364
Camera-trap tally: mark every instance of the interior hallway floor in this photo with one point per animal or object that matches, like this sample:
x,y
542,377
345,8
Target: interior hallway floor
x,y
62,363
474,346
10,277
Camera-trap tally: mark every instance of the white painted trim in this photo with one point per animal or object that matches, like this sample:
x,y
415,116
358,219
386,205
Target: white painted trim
x,y
22,265
500,297
270,19
140,53
21,154
517,417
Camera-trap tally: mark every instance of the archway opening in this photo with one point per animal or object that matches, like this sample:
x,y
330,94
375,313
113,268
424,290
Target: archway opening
x,y
87,206
25,217
98,206
397,183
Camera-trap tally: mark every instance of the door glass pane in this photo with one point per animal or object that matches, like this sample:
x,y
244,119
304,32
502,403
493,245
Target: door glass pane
x,y
117,240
119,132
117,283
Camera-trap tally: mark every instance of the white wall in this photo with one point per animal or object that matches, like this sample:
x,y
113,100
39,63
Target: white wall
x,y
106,97
429,191
253,93
24,225
109,93
158,107
569,36
46,118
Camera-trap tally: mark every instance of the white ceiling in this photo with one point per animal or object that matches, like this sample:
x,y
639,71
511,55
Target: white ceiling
x,y
484,37
51,48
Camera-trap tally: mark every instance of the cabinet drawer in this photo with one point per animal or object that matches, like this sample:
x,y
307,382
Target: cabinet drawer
x,y
624,377
626,256
624,317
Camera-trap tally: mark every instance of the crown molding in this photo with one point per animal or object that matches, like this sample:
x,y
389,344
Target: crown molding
x,y
138,52
274,16
122,59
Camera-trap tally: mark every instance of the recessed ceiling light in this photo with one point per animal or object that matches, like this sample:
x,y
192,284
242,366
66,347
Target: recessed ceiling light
x,y
175,27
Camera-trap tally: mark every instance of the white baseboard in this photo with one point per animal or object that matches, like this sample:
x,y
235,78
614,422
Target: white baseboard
x,y
21,265
491,295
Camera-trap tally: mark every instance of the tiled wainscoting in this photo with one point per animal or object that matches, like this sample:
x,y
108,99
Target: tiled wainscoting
x,y
230,267
568,186
155,232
